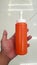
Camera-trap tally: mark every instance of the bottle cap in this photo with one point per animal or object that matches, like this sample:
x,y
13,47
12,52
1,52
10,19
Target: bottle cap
x,y
21,20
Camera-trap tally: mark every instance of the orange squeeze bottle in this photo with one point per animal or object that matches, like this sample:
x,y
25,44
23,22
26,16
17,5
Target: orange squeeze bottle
x,y
21,37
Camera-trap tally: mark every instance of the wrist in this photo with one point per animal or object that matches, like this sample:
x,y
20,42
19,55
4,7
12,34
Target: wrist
x,y
5,59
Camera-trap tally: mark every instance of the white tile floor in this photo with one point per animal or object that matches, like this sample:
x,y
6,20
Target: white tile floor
x,y
8,20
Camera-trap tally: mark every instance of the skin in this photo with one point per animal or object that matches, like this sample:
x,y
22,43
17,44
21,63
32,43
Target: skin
x,y
8,48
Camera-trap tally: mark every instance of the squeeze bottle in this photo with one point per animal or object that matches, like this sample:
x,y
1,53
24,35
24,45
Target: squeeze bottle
x,y
21,36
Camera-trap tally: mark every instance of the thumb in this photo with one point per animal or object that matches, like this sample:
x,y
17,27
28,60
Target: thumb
x,y
4,35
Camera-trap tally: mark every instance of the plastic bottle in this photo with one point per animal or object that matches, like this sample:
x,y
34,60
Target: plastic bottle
x,y
21,36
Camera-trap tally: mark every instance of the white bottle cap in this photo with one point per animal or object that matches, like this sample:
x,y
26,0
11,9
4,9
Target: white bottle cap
x,y
21,20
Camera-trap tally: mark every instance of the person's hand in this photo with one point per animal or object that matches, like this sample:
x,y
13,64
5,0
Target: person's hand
x,y
8,45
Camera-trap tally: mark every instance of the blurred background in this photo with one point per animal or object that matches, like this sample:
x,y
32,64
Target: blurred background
x,y
9,14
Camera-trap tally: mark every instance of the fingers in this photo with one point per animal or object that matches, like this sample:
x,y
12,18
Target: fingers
x,y
4,35
29,37
27,30
28,45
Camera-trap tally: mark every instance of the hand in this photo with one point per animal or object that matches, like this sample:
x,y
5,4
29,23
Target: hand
x,y
8,45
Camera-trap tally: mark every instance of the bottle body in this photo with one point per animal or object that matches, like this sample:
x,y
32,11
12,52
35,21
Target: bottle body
x,y
21,38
